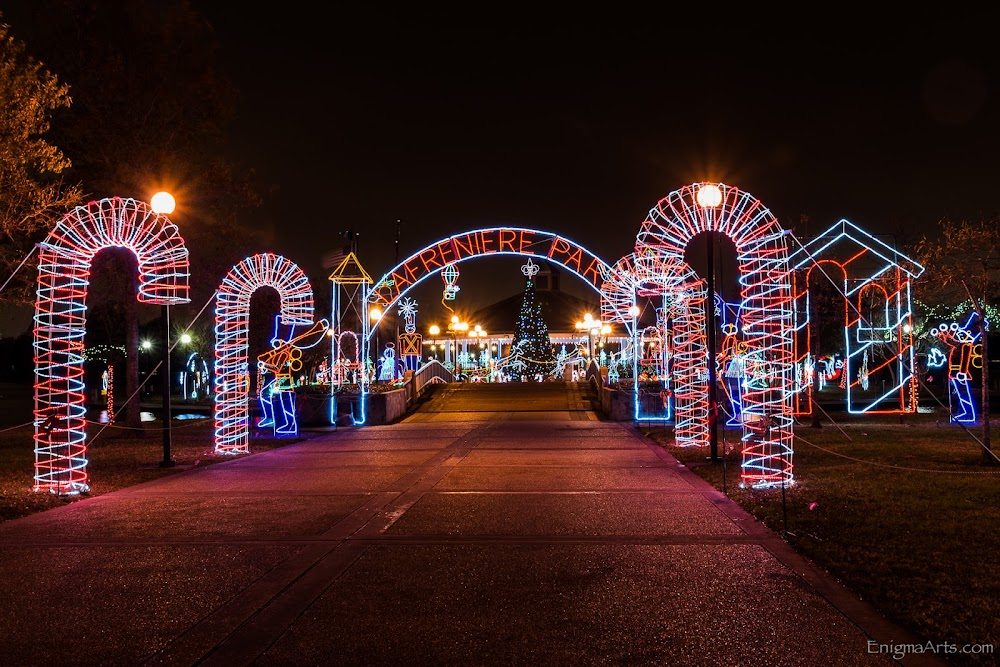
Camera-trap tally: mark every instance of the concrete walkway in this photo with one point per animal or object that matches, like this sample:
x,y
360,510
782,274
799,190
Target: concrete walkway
x,y
469,534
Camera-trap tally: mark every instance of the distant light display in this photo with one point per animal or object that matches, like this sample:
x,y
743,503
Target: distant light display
x,y
60,320
109,391
232,322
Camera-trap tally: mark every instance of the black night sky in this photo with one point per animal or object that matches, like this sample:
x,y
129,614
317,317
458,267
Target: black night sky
x,y
579,122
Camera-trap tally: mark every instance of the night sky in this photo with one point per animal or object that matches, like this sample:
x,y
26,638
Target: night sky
x,y
579,123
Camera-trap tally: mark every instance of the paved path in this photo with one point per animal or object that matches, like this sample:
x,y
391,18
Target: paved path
x,y
479,537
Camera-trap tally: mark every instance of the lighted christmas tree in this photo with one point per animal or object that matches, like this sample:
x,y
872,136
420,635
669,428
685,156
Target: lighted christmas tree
x,y
531,333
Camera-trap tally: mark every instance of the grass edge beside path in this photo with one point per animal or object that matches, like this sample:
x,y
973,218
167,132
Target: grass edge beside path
x,y
920,547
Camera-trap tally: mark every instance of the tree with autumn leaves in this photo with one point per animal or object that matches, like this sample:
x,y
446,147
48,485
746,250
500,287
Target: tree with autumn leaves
x,y
33,190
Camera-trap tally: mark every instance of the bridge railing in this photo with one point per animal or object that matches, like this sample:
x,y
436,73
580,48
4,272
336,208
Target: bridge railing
x,y
432,371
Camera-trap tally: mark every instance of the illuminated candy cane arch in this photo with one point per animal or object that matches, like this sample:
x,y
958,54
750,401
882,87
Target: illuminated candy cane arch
x,y
232,324
61,317
683,293
765,290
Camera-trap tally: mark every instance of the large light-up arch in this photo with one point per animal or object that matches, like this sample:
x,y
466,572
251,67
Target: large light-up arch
x,y
61,316
765,290
682,295
487,242
232,320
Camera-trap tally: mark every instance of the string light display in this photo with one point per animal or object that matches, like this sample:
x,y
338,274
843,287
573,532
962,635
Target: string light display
x,y
109,390
686,311
874,281
410,342
486,242
765,291
232,321
964,352
350,294
60,318
449,275
275,368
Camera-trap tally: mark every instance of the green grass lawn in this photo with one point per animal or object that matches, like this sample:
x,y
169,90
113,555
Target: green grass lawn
x,y
118,458
922,546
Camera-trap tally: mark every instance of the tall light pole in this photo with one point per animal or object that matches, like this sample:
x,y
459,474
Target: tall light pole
x,y
455,326
709,196
435,331
375,314
593,328
163,203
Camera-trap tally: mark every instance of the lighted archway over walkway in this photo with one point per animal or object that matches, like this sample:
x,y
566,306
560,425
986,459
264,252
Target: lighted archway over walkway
x,y
765,290
61,319
482,243
232,323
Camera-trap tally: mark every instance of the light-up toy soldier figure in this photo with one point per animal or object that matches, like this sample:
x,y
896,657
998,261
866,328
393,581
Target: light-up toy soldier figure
x,y
280,362
963,354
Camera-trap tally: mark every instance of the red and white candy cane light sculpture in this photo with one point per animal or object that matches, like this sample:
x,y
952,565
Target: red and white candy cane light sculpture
x,y
765,290
64,263
232,324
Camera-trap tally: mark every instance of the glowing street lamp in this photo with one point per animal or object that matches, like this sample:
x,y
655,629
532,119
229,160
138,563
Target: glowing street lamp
x,y
709,195
375,315
593,328
163,203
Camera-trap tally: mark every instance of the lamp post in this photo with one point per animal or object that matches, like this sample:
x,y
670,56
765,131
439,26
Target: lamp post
x,y
634,312
375,314
455,326
435,331
593,328
163,203
710,196
479,333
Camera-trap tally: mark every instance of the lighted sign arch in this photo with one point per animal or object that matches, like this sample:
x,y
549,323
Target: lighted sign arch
x,y
483,243
64,263
232,320
765,290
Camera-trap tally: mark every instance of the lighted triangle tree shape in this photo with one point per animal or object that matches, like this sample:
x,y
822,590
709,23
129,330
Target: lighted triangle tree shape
x,y
531,335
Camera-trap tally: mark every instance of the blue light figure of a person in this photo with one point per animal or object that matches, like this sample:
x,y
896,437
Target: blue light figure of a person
x,y
387,366
277,392
732,361
964,353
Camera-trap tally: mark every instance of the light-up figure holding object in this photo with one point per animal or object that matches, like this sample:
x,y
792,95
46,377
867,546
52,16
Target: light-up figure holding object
x,y
963,354
731,365
232,320
280,362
